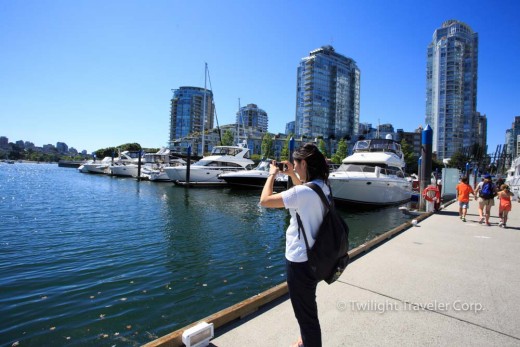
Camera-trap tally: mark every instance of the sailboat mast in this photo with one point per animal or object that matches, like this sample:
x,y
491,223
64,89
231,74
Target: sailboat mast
x,y
204,107
239,118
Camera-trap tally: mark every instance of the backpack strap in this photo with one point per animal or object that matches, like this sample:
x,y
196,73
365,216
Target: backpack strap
x,y
319,191
300,228
325,201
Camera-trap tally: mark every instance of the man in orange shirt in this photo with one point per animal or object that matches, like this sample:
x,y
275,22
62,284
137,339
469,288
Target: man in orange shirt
x,y
463,192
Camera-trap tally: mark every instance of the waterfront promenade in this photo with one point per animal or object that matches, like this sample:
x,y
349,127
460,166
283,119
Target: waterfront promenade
x,y
442,283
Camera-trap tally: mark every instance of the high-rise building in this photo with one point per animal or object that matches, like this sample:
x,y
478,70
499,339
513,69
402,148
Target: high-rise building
x,y
510,143
289,128
187,111
327,95
252,116
481,131
4,142
62,147
451,88
514,135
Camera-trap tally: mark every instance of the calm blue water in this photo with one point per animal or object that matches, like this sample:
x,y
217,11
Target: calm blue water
x,y
96,260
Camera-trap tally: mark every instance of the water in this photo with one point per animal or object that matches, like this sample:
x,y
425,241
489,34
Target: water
x,y
102,261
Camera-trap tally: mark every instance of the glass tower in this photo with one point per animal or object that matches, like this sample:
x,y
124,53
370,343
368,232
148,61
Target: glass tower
x,y
252,116
327,95
451,88
187,108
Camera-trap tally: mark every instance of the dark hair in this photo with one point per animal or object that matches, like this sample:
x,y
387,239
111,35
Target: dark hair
x,y
464,179
317,166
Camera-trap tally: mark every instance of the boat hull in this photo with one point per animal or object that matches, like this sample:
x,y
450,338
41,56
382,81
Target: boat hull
x,y
249,181
370,191
124,170
197,175
95,168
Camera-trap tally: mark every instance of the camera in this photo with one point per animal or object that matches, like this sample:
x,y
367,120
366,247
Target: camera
x,y
280,166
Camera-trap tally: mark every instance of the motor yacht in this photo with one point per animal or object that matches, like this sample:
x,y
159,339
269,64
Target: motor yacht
x,y
127,165
207,170
155,163
255,178
373,175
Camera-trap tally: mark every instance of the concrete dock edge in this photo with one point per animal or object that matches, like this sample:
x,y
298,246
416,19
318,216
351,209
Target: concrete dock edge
x,y
253,304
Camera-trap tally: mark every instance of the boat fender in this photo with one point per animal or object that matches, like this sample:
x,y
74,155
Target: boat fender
x,y
435,196
378,171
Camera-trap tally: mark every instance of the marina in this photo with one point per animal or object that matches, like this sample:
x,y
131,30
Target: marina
x,y
102,260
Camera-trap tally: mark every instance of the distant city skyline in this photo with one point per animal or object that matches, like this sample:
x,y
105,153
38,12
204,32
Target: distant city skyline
x,y
97,74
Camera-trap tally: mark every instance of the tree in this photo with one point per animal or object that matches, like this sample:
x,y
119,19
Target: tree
x,y
114,151
409,157
267,146
227,138
341,152
322,146
458,160
285,150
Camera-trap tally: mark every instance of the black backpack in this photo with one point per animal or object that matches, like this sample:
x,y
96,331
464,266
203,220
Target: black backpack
x,y
328,257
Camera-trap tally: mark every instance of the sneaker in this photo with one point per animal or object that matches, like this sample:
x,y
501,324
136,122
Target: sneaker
x,y
463,219
481,220
488,224
500,224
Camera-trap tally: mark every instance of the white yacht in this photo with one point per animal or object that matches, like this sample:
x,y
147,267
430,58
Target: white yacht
x,y
155,163
255,178
97,166
126,165
372,175
513,178
207,170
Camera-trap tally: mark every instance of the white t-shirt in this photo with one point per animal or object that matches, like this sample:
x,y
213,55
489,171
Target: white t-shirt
x,y
309,206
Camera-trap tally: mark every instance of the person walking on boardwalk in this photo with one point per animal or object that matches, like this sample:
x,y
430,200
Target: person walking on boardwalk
x,y
486,194
309,166
463,191
504,195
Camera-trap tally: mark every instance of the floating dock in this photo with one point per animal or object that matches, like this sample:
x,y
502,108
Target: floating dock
x,y
443,282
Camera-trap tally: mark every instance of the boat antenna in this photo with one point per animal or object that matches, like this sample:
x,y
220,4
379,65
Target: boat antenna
x,y
215,110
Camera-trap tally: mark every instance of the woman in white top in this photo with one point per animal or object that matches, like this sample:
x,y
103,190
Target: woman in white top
x,y
309,166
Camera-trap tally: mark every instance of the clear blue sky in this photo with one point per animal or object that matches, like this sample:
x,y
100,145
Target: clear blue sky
x,y
98,73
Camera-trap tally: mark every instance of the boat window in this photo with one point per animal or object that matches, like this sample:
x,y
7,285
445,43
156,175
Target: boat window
x,y
361,145
232,165
201,163
356,168
263,166
368,168
219,151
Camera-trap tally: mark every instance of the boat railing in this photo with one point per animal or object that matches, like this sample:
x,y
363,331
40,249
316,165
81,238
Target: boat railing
x,y
377,145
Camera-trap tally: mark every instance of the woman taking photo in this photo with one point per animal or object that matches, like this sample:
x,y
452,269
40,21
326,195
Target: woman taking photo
x,y
309,166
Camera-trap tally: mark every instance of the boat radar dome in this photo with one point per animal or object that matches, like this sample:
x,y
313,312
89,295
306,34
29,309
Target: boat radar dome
x,y
388,137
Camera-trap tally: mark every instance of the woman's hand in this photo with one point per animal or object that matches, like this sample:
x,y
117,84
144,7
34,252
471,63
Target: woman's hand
x,y
267,198
273,168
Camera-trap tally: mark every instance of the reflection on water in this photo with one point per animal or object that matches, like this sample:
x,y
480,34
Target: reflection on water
x,y
88,259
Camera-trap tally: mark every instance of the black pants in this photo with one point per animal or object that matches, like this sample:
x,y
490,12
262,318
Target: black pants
x,y
302,290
